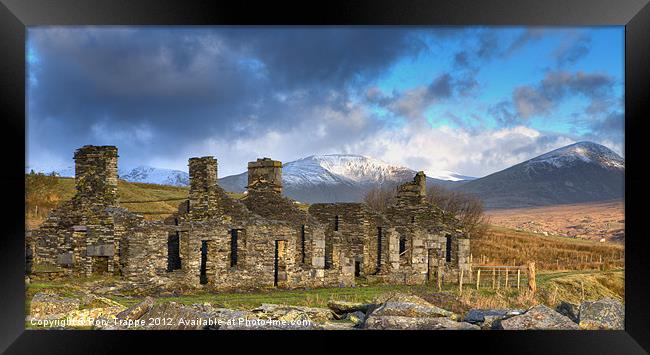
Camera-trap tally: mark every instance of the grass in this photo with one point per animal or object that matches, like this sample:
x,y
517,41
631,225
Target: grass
x,y
503,246
153,202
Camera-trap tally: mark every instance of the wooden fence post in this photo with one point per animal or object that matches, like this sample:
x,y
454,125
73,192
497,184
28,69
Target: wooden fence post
x,y
460,282
478,278
506,284
494,278
518,277
499,279
439,276
532,284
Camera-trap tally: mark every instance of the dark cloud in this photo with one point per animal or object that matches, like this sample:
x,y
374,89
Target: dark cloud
x,y
529,35
572,49
503,114
158,91
488,45
541,99
411,104
461,59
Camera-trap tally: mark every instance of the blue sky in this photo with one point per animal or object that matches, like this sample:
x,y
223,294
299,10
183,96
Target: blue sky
x,y
473,100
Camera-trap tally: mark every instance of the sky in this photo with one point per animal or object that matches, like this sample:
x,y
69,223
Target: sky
x,y
473,100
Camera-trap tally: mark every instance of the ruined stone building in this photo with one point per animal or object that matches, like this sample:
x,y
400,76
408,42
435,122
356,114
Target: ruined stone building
x,y
262,240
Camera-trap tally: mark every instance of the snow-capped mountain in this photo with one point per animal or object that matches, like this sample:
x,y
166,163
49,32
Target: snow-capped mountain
x,y
338,177
145,174
159,176
587,152
580,172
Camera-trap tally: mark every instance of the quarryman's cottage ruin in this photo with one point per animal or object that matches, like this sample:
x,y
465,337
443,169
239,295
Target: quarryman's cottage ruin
x,y
263,240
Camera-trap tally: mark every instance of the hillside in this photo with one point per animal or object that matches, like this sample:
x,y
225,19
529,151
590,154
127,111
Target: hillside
x,y
577,173
152,201
593,221
503,246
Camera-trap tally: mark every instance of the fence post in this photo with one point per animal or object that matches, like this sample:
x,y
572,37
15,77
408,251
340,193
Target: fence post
x,y
478,278
439,276
499,279
532,284
506,284
494,278
460,282
518,277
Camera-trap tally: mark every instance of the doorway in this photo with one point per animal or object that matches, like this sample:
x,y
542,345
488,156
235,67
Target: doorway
x,y
203,279
173,252
279,263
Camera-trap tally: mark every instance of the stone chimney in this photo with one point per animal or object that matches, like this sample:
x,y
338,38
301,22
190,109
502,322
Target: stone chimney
x,y
203,181
413,192
96,175
421,181
265,175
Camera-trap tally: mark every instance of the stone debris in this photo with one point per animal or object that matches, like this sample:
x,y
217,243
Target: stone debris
x,y
539,317
409,306
341,307
292,313
416,323
490,318
49,306
606,313
136,311
570,310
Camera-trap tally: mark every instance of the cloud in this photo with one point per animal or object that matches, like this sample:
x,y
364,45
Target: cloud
x,y
572,48
541,99
411,104
180,86
529,35
458,149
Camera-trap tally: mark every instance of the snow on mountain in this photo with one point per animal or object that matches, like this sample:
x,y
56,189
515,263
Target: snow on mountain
x,y
145,174
159,176
338,177
337,168
587,152
577,173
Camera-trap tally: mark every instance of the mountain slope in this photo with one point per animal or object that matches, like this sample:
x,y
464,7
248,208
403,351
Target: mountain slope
x,y
337,178
580,172
143,174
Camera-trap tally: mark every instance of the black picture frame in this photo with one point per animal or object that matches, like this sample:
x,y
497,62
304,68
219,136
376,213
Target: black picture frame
x,y
15,15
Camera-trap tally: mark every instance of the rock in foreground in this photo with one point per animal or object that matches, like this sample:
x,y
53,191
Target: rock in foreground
x,y
48,306
539,317
416,323
409,306
603,314
341,307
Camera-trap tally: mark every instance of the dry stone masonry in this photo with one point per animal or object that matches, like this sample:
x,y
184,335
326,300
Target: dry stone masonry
x,y
218,242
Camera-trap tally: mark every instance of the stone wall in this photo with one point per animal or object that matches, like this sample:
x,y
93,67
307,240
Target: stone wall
x,y
216,242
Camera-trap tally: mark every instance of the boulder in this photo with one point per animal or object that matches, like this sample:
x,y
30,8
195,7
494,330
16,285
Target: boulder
x,y
136,311
490,318
357,318
92,316
415,323
569,309
539,317
342,307
49,306
606,313
409,306
291,313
